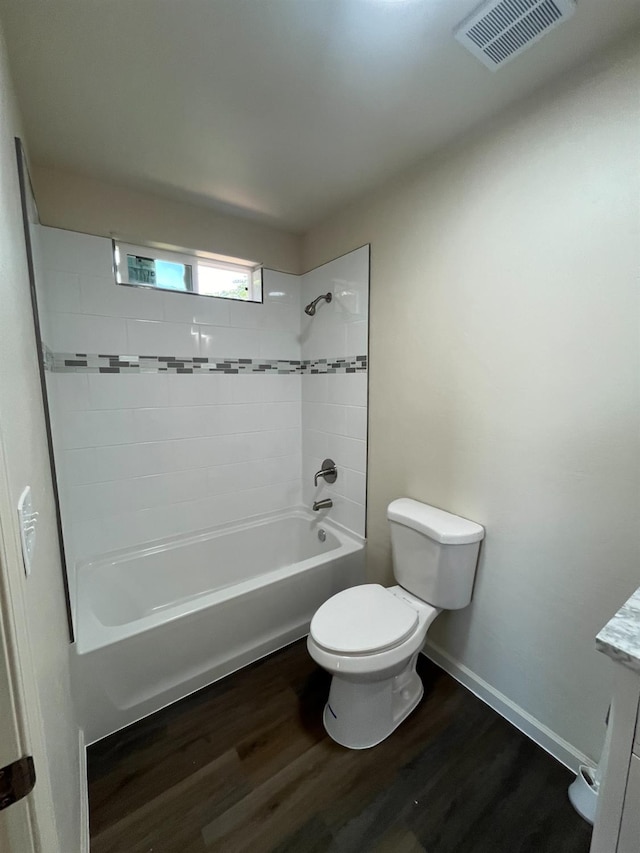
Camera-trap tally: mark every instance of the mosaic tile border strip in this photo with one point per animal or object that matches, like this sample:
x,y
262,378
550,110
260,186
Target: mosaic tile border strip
x,y
80,362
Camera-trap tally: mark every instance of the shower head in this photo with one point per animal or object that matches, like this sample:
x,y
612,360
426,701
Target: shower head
x,y
311,307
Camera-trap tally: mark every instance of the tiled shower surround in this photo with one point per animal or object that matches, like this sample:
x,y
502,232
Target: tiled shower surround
x,y
173,413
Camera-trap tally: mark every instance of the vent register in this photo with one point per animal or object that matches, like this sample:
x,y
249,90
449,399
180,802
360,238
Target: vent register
x,y
502,29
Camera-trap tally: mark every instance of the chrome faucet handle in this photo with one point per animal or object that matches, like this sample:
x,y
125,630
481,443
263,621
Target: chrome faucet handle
x,y
329,472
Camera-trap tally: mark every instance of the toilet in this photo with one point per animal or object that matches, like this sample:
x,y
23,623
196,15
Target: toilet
x,y
369,637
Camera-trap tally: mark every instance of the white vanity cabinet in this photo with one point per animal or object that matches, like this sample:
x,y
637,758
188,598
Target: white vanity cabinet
x,y
617,823
629,838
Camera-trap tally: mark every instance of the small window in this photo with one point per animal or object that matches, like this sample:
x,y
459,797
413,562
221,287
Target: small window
x,y
185,272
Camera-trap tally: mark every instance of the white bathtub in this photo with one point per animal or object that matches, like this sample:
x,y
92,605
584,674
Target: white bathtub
x,y
157,623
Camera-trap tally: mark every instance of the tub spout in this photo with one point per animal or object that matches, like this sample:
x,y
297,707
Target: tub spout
x,y
327,503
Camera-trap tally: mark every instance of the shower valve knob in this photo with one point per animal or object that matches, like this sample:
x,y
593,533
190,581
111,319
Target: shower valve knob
x,y
328,472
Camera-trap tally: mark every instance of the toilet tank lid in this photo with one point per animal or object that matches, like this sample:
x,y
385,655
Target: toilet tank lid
x,y
441,526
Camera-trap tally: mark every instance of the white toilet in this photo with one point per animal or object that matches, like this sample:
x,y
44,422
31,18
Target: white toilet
x,y
369,637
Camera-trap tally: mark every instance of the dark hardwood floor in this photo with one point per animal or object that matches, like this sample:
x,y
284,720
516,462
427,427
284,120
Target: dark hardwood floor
x,y
245,765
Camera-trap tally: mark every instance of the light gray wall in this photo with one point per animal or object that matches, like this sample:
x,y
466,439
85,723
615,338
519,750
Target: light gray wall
x,y
504,379
38,600
79,203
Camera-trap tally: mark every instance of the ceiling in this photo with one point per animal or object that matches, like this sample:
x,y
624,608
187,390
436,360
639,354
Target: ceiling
x,y
282,110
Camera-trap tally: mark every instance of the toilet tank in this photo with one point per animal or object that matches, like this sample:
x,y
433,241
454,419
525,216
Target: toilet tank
x,y
435,553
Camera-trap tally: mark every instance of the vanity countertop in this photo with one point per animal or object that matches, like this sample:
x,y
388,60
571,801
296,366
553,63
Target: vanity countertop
x,y
620,637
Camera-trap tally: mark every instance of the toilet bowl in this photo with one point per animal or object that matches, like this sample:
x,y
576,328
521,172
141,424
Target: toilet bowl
x,y
369,637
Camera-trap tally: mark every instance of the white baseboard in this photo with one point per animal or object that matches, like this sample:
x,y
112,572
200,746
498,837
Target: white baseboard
x,y
552,743
84,795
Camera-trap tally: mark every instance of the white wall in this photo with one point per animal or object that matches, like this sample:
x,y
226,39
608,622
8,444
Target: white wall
x,y
143,456
334,405
81,203
505,379
38,600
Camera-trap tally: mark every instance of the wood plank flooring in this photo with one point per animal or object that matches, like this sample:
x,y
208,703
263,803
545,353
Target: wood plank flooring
x,y
245,765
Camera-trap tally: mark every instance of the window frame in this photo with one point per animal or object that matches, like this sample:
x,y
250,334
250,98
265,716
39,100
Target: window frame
x,y
192,259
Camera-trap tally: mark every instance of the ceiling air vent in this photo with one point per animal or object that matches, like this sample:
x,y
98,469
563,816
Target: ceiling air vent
x,y
501,29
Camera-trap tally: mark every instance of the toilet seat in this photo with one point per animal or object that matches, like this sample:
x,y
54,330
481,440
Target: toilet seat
x,y
363,620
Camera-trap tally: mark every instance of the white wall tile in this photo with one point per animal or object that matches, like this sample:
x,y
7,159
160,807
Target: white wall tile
x,y
355,486
334,414
77,466
275,345
351,515
246,315
274,416
226,342
256,417
316,443
348,389
315,387
280,288
251,388
148,337
62,291
199,389
277,442
281,470
178,455
129,529
238,418
350,287
349,452
357,338
253,501
89,334
191,308
282,388
97,500
225,479
127,390
157,457
356,421
170,488
94,429
310,465
162,424
125,530
69,392
104,296
74,252
321,338
99,464
120,462
279,317
329,333
228,382
324,417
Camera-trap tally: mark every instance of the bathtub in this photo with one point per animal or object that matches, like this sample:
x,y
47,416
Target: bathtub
x,y
156,623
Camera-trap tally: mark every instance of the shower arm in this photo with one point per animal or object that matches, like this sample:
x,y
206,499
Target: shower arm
x,y
311,307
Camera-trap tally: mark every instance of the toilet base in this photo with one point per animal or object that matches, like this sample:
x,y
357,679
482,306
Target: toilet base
x,y
361,714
